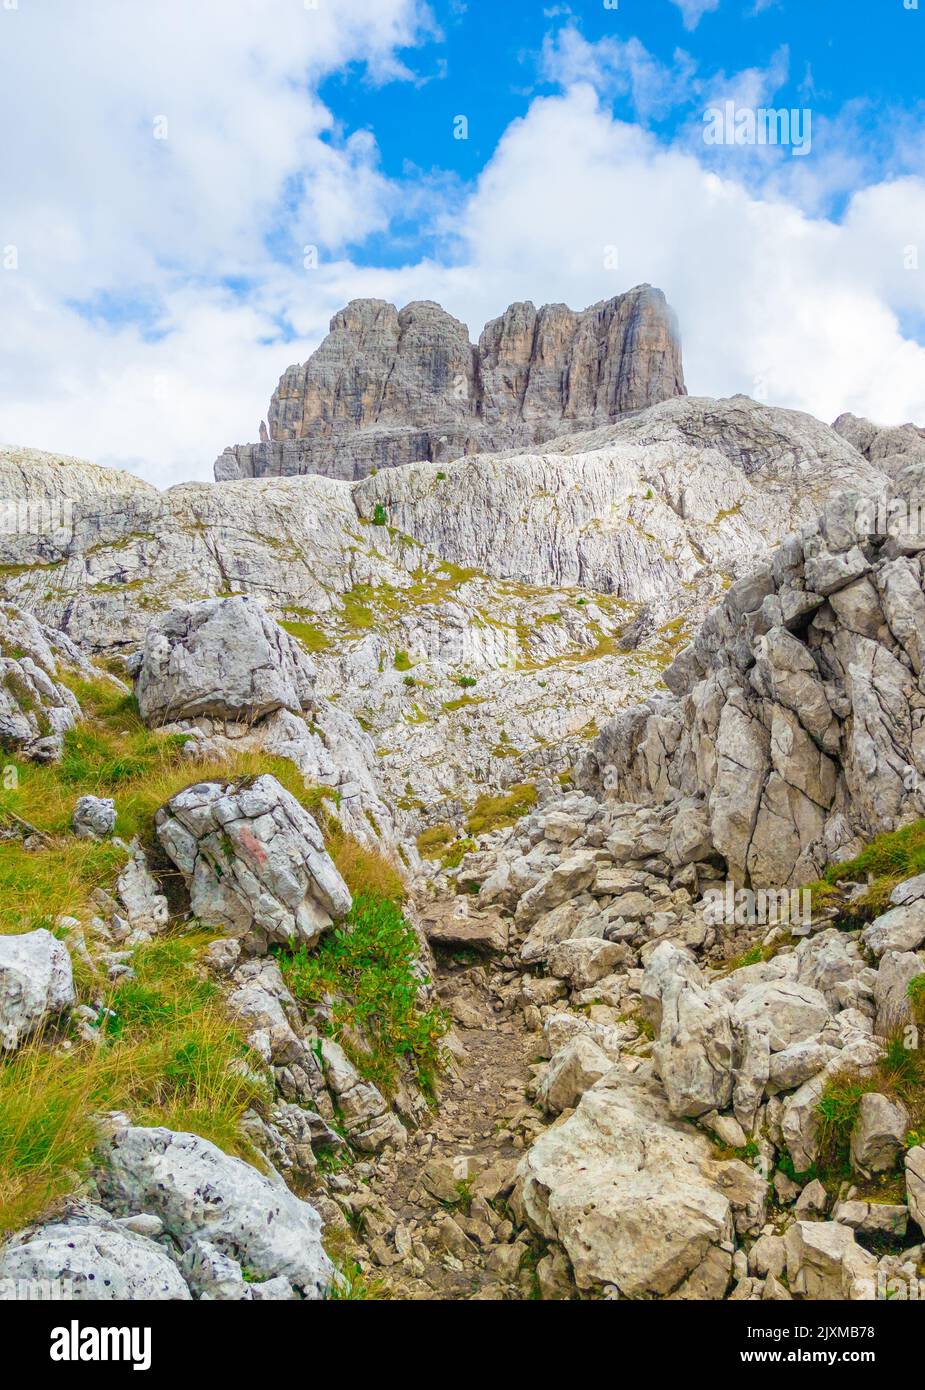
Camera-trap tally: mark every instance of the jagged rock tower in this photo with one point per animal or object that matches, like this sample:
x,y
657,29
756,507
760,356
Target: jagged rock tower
x,y
388,387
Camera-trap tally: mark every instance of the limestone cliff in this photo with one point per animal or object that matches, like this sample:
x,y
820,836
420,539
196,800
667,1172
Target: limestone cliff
x,y
388,387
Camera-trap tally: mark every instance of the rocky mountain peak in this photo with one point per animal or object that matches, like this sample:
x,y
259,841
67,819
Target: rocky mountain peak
x,y
391,386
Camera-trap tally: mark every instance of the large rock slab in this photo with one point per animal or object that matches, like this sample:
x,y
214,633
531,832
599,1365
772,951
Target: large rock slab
x,y
915,1185
223,657
254,861
627,1190
201,1193
36,983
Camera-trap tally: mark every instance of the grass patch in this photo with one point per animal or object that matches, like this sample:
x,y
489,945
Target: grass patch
x,y
168,1055
494,812
365,871
312,637
433,841
888,860
370,970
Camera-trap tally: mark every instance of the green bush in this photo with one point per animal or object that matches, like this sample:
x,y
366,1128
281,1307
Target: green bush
x,y
369,968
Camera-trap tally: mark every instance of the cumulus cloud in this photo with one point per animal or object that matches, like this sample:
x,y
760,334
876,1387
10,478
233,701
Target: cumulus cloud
x,y
163,287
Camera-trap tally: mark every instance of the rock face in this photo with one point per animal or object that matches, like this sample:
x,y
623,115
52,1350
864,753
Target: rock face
x,y
563,580
36,709
388,387
254,861
796,712
36,983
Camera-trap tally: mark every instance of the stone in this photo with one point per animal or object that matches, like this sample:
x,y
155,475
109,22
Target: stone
x,y
212,1274
254,861
457,925
584,961
812,1201
790,1013
94,817
224,657
900,929
824,1261
726,1129
382,389
561,1028
768,1255
696,1052
879,1134
801,1124
788,1070
891,988
201,1193
915,1185
95,1258
572,1070
36,984
623,1187
873,1218
571,919
367,1119
140,898
36,707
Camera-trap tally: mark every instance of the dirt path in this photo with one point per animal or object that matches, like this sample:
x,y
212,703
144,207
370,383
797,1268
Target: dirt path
x,y
434,1222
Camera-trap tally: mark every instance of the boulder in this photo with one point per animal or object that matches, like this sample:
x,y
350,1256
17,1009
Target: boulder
x,y
222,657
572,1071
94,817
900,929
824,1261
696,1050
254,861
789,1012
915,1185
625,1189
36,984
203,1194
585,961
879,1134
95,1259
891,989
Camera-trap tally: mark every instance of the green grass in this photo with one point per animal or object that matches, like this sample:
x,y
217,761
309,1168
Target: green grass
x,y
370,971
312,637
402,661
493,812
168,1055
433,841
885,862
166,1052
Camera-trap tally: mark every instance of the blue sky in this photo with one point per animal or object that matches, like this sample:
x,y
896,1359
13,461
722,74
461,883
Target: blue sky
x,y
168,168
487,61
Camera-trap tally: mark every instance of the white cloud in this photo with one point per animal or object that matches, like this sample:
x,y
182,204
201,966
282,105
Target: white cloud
x,y
693,11
773,297
619,67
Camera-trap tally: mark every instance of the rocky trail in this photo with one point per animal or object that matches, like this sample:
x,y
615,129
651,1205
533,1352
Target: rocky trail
x,y
432,1221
